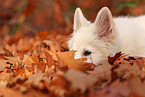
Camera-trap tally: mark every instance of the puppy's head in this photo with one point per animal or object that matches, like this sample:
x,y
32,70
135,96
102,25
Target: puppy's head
x,y
94,41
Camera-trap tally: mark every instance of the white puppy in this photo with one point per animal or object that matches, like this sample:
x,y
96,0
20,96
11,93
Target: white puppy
x,y
107,36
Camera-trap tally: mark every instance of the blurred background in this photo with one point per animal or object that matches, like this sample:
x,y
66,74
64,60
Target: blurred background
x,y
56,16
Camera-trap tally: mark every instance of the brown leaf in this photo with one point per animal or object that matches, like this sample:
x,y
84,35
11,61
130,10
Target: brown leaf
x,y
50,61
19,70
28,60
67,59
13,59
41,66
130,71
59,84
5,78
112,59
133,94
2,64
35,78
130,60
137,85
42,34
102,73
15,38
24,45
116,89
7,92
53,44
34,57
79,80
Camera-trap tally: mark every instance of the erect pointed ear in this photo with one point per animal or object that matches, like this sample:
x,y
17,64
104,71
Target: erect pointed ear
x,y
79,19
104,22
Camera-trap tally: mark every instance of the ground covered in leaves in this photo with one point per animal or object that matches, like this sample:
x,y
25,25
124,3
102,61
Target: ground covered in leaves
x,y
35,62
41,65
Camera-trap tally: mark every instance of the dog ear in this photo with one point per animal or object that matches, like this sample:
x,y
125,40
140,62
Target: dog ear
x,y
104,23
79,20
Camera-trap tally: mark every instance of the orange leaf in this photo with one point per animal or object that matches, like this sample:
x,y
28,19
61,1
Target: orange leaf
x,y
68,59
42,34
2,64
137,85
50,61
34,57
41,66
24,45
19,71
116,89
79,80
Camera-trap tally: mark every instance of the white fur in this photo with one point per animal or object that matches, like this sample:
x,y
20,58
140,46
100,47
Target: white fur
x,y
107,36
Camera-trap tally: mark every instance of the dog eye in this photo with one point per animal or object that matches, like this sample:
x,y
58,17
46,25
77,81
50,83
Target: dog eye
x,y
86,53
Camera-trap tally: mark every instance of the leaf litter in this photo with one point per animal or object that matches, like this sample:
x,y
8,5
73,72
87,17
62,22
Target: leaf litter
x,y
44,67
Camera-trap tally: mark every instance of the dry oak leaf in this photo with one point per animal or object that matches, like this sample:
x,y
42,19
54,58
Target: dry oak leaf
x,y
42,34
35,78
27,72
16,79
2,64
102,72
137,85
13,59
5,78
24,44
19,70
130,71
34,57
15,38
2,51
50,61
79,80
133,94
59,84
41,66
54,45
67,58
28,60
9,48
130,60
7,92
116,89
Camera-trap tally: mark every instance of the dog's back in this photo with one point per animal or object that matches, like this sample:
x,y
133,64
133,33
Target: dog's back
x,y
131,34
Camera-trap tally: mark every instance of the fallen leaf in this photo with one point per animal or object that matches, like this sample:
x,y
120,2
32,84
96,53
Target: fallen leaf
x,y
15,38
116,89
5,78
50,61
112,59
79,80
41,66
28,61
2,64
13,59
24,45
19,70
129,71
59,84
42,34
102,73
7,92
133,94
35,78
67,59
34,57
137,85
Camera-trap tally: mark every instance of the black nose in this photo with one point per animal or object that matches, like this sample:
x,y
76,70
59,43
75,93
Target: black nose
x,y
86,53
